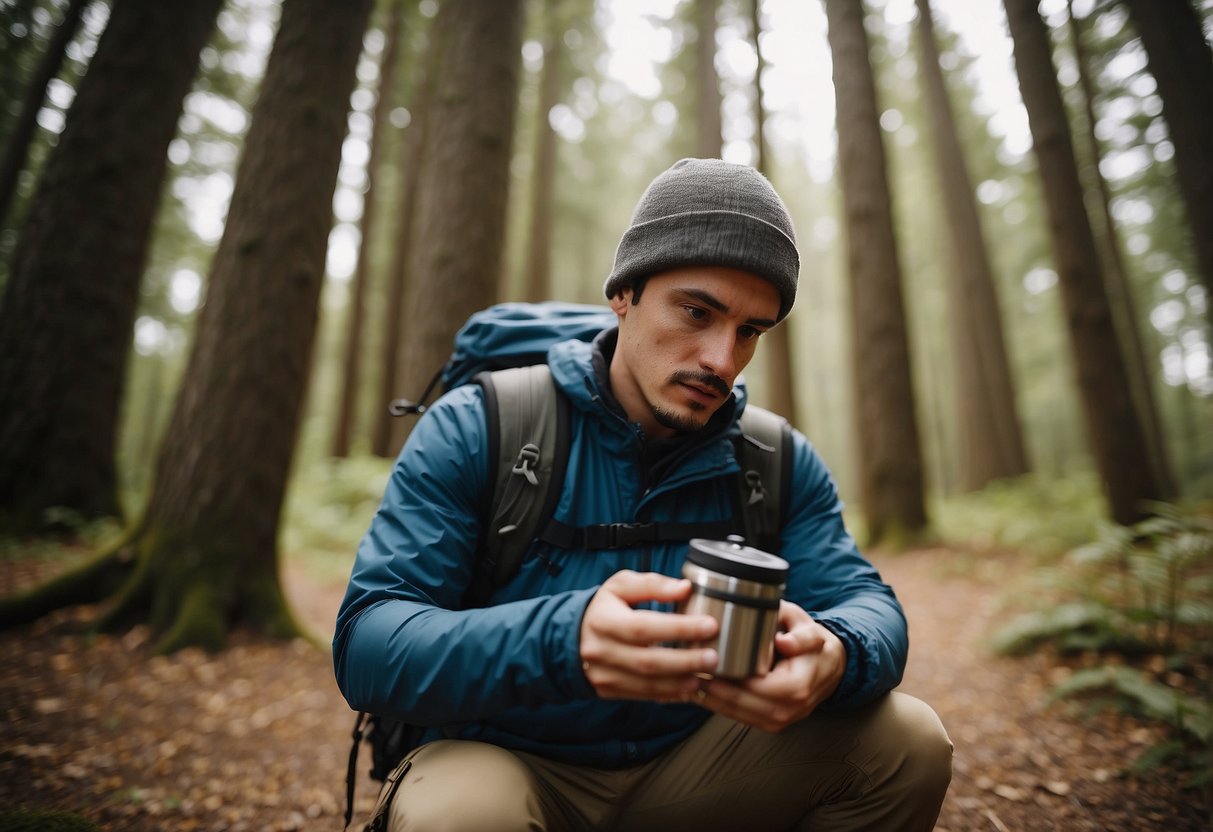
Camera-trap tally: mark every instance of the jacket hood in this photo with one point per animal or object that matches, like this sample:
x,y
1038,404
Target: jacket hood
x,y
580,369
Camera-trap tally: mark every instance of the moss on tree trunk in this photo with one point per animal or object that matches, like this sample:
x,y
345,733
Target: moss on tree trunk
x,y
191,601
205,559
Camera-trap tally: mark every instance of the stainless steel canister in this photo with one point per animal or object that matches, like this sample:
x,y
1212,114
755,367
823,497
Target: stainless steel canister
x,y
741,588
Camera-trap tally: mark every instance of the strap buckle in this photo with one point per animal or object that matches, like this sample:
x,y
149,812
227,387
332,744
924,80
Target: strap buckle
x,y
758,491
619,535
528,458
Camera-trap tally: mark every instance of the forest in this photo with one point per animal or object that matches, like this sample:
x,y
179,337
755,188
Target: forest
x,y
234,232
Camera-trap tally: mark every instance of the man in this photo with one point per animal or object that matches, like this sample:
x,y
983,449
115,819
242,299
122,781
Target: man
x,y
559,705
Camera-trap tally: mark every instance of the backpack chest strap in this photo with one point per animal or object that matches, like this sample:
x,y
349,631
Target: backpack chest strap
x,y
627,535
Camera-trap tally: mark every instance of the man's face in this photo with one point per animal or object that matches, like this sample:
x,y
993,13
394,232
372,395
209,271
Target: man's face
x,y
684,343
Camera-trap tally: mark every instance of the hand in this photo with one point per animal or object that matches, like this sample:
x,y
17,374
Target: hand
x,y
814,660
621,650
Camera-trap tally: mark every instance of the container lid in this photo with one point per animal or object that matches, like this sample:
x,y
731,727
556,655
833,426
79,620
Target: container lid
x,y
738,561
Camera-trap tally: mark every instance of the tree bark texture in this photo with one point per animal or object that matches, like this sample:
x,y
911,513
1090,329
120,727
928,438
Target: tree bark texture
x,y
208,557
708,139
889,455
455,258
988,436
16,149
1179,58
777,343
539,257
69,306
351,368
388,432
1116,436
1120,292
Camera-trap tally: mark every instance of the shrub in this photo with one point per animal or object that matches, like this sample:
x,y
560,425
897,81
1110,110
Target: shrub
x,y
1138,601
1033,513
328,509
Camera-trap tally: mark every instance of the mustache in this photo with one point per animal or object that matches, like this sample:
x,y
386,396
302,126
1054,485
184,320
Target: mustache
x,y
703,379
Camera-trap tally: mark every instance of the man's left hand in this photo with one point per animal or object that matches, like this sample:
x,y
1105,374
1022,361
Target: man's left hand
x,y
812,663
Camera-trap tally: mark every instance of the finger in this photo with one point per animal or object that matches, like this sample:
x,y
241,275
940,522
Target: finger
x,y
742,706
617,683
650,662
800,640
637,587
645,627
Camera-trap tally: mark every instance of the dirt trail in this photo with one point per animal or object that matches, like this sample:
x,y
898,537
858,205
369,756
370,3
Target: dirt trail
x,y
256,738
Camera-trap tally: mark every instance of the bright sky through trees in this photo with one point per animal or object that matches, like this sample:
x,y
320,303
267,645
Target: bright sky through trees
x,y
798,94
798,89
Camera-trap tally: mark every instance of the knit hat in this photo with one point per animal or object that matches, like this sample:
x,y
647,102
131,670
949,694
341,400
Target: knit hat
x,y
707,212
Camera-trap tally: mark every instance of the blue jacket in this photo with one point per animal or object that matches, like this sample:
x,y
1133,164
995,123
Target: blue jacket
x,y
510,673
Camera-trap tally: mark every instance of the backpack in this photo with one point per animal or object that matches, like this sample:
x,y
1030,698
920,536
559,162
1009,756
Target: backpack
x,y
504,350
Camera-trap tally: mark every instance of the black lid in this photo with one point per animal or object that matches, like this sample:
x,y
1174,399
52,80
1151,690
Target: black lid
x,y
738,561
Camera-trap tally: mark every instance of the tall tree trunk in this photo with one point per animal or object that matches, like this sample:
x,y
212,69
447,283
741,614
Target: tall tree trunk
x,y
781,383
17,38
989,439
204,560
1181,63
1117,439
539,257
387,433
69,306
352,363
1120,292
708,139
456,254
16,149
889,454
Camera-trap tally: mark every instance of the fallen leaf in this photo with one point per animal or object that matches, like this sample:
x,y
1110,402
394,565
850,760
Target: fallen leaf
x,y
1009,792
50,705
1058,787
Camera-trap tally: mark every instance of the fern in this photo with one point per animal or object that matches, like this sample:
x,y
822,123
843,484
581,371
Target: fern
x,y
1180,711
1132,591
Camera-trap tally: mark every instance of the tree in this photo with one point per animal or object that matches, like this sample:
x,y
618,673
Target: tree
x,y
69,305
539,249
1114,428
386,434
456,245
16,148
1180,61
1120,294
204,558
990,441
781,385
708,131
352,353
889,456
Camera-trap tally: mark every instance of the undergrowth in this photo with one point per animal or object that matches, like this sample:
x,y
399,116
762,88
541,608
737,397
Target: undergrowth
x,y
1136,604
72,537
1034,514
327,511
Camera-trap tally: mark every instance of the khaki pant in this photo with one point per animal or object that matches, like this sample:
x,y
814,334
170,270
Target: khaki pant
x,y
884,767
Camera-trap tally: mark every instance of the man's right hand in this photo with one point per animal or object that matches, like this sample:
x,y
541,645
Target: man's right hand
x,y
621,652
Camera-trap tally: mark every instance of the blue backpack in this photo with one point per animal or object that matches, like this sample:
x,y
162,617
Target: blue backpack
x,y
504,349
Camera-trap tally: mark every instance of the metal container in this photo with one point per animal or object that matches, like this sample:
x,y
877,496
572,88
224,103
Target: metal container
x,y
741,588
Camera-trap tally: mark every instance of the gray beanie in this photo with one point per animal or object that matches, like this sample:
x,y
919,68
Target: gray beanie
x,y
706,212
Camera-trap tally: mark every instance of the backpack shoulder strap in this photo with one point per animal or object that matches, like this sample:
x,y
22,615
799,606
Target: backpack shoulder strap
x,y
528,428
764,452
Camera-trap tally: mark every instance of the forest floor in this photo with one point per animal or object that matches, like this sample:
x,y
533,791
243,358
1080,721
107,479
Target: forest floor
x,y
257,737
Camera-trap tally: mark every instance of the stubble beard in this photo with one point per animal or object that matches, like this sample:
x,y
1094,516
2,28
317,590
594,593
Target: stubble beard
x,y
668,418
700,414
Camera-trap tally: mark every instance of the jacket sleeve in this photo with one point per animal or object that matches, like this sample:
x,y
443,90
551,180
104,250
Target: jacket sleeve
x,y
839,587
403,647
